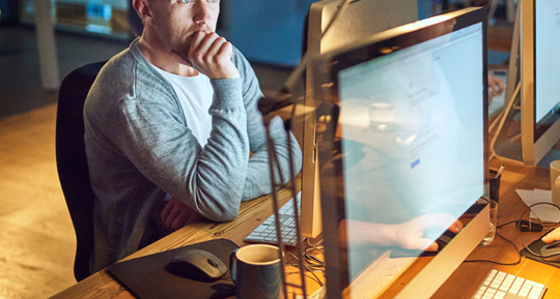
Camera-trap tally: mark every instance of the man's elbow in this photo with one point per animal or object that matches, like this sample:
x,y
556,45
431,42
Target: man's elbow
x,y
223,214
298,160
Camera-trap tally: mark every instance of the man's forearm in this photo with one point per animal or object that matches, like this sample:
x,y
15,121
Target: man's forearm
x,y
258,171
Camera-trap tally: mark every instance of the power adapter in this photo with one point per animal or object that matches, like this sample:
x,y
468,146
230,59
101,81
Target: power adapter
x,y
528,226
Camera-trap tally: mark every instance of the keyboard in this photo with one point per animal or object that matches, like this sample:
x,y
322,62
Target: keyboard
x,y
501,285
266,232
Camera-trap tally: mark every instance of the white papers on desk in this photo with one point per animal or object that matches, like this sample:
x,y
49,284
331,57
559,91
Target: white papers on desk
x,y
545,213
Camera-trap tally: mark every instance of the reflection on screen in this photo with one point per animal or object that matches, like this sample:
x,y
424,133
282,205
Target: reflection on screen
x,y
412,143
547,64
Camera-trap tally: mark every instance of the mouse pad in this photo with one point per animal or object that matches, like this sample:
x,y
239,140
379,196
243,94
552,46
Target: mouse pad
x,y
146,277
536,247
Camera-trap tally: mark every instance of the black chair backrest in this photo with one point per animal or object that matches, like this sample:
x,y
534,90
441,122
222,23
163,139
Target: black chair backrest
x,y
71,160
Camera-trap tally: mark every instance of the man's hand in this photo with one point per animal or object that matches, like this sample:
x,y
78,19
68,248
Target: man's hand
x,y
408,235
495,86
552,236
209,54
176,215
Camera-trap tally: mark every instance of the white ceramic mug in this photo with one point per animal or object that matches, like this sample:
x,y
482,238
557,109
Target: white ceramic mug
x,y
555,181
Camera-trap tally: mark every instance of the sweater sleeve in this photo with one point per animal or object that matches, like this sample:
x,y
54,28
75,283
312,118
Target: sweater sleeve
x,y
258,173
209,180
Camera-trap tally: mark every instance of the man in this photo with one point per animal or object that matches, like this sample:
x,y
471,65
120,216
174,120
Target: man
x,y
171,123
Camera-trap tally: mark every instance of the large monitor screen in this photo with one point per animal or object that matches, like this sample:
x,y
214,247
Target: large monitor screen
x,y
547,61
413,136
547,65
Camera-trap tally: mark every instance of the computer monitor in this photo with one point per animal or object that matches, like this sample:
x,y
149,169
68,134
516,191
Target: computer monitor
x,y
535,66
540,74
413,159
360,19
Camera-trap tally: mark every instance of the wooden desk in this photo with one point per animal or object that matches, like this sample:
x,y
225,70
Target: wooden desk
x,y
464,282
251,214
461,284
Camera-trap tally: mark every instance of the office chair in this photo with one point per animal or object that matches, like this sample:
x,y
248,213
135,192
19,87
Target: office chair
x,y
71,160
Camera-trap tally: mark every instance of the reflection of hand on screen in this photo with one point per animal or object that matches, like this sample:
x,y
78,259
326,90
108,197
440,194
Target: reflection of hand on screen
x,y
408,235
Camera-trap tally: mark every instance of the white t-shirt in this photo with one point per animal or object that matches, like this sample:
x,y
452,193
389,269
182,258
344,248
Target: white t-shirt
x,y
195,95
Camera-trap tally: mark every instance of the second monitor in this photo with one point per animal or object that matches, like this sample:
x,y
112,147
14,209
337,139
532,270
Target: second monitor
x,y
360,20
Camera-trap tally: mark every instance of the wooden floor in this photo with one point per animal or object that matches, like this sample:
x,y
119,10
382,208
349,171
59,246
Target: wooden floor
x,y
37,239
36,234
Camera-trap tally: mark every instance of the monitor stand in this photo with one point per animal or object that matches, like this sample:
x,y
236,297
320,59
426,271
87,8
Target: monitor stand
x,y
503,145
552,155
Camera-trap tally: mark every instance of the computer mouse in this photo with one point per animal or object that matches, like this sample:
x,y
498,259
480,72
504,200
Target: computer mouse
x,y
197,264
551,252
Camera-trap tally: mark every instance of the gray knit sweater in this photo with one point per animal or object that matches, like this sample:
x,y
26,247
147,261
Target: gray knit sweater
x,y
141,152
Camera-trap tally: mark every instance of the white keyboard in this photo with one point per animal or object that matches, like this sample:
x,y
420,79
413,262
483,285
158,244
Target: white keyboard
x,y
266,232
501,285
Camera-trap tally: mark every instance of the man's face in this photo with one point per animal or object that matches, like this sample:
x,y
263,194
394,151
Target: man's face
x,y
176,21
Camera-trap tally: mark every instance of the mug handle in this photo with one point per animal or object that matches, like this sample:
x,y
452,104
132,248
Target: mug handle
x,y
232,264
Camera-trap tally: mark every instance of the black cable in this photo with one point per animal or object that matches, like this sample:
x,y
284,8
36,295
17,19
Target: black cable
x,y
307,267
525,246
515,246
507,223
314,244
312,259
311,262
499,263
